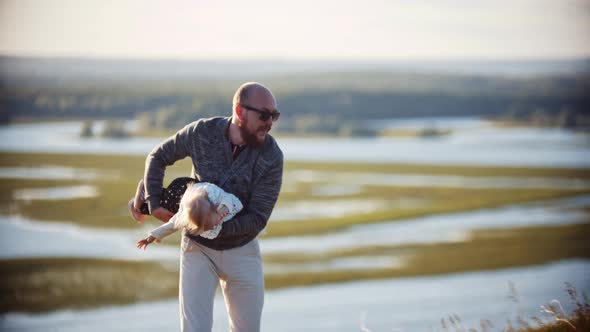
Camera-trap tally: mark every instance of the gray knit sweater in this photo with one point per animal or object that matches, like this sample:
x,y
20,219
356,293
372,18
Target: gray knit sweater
x,y
255,177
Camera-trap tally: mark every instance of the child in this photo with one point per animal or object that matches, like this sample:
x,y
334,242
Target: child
x,y
199,208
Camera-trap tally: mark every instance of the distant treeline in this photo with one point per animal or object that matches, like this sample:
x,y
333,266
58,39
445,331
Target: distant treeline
x,y
321,103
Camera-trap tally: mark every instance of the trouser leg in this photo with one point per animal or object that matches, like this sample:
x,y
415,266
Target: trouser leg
x,y
198,282
243,287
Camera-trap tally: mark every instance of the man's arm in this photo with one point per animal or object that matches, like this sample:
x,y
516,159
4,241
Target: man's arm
x,y
263,199
177,147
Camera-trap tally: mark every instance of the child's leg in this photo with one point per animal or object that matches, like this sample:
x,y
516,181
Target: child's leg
x,y
171,196
169,200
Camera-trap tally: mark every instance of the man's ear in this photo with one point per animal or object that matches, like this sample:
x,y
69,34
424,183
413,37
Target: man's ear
x,y
239,111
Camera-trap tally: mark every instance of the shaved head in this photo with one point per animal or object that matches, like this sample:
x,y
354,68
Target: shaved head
x,y
249,90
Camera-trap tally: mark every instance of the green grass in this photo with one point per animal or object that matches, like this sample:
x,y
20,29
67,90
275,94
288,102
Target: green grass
x,y
107,210
130,164
485,250
36,285
110,209
442,200
52,283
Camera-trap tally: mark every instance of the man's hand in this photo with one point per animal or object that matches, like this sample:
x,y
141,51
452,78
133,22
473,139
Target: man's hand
x,y
135,213
162,214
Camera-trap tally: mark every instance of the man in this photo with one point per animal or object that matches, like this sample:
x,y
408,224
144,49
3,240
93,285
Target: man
x,y
237,154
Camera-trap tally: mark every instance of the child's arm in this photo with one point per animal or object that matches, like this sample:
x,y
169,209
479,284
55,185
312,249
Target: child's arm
x,y
229,205
222,198
143,243
159,233
223,211
169,227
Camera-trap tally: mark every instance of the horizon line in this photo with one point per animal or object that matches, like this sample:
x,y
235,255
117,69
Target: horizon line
x,y
277,59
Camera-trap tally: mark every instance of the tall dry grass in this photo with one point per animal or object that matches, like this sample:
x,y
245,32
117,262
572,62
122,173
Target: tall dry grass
x,y
554,318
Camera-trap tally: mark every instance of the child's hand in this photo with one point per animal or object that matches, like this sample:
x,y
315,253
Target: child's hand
x,y
143,243
223,211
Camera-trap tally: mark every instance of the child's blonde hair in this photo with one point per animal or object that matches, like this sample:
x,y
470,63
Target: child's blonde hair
x,y
198,209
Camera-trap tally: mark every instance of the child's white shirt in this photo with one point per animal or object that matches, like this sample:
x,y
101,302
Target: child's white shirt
x,y
217,196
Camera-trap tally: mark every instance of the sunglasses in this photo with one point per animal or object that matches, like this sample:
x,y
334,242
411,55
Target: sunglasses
x,y
263,115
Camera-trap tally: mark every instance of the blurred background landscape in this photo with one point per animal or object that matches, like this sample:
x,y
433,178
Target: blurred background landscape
x,y
436,158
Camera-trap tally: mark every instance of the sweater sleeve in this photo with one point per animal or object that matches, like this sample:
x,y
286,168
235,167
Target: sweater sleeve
x,y
176,147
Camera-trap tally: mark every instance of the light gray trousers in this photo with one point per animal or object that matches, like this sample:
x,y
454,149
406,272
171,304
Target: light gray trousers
x,y
238,271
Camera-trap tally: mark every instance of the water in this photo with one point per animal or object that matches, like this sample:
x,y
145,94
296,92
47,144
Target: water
x,y
64,137
326,209
405,304
412,304
55,193
451,227
348,263
25,238
461,150
446,123
481,144
21,237
50,172
358,179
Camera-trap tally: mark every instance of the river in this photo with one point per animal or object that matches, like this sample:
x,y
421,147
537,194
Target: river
x,y
479,143
406,304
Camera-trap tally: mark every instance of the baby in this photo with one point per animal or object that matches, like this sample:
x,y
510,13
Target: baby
x,y
200,208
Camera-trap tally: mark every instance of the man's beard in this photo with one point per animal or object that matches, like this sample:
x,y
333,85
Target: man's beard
x,y
250,138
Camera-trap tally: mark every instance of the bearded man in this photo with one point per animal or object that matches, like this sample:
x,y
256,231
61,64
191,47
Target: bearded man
x,y
237,154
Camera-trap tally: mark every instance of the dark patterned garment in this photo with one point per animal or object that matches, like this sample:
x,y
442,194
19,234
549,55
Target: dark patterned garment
x,y
171,196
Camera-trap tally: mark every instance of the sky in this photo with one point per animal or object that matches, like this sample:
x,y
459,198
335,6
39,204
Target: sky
x,y
297,30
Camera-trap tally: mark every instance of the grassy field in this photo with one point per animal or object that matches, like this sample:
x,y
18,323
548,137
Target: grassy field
x,y
36,285
485,250
441,200
115,178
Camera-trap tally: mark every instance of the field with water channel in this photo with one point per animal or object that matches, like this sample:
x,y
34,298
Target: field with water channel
x,y
339,226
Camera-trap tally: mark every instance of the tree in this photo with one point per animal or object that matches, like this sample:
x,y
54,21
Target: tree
x,y
114,129
87,130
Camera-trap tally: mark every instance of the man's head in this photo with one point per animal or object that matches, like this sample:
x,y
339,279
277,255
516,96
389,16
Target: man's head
x,y
254,110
